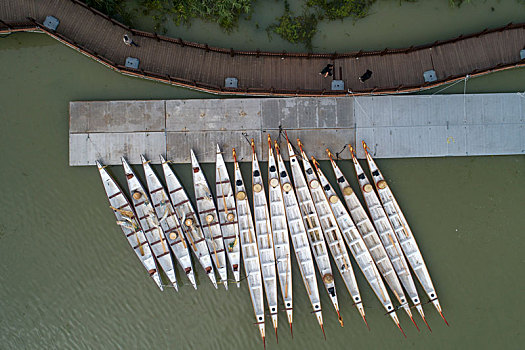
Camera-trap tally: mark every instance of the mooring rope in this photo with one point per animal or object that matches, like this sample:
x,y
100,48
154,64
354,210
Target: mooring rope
x,y
341,151
465,99
449,86
99,155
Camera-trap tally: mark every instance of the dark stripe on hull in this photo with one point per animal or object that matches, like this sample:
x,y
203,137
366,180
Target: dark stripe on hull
x,y
114,195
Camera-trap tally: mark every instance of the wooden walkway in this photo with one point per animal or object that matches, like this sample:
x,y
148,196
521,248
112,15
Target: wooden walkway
x,y
204,68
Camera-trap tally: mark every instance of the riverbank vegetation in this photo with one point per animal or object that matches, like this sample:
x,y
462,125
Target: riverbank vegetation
x,y
225,13
296,27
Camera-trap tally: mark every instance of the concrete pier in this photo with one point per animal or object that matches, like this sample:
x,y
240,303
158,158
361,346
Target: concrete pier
x,y
393,126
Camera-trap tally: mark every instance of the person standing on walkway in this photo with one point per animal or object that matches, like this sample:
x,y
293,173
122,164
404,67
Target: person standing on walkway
x,y
366,76
327,71
128,41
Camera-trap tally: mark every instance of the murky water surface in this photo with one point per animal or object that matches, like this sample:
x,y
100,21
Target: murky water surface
x,y
69,280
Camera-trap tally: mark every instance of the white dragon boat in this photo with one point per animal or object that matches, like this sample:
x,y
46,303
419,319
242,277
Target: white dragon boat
x,y
190,223
263,232
300,241
168,221
250,253
150,224
313,229
228,216
387,235
404,234
333,235
358,247
280,234
209,219
370,236
127,220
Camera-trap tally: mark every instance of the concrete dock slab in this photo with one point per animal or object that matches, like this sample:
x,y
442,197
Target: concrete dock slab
x,y
85,149
117,116
441,125
393,127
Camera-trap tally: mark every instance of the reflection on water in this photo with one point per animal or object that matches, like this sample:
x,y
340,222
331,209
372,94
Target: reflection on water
x,y
391,23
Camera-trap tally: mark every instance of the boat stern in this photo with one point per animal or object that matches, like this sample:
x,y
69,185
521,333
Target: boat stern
x,y
194,163
191,277
223,272
211,276
126,166
237,276
158,281
99,165
173,279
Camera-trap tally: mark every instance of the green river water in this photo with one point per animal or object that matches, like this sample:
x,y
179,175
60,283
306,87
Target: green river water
x,y
69,280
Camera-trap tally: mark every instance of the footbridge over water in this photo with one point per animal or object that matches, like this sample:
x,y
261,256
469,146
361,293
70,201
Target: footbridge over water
x,y
206,68
392,126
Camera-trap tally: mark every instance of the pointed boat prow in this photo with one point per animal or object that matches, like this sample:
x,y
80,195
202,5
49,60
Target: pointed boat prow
x,y
419,309
315,163
401,329
269,143
340,319
364,319
300,144
234,155
414,322
438,308
443,317
365,147
330,156
425,320
291,329
322,328
252,143
277,148
263,335
352,150
290,149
